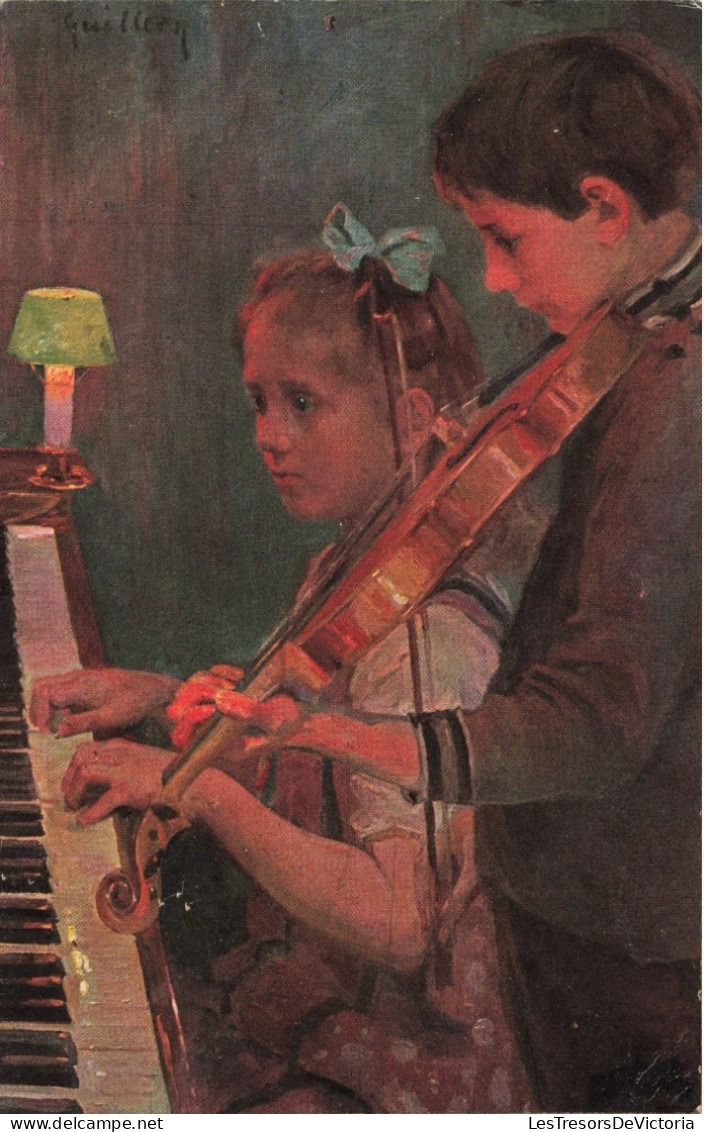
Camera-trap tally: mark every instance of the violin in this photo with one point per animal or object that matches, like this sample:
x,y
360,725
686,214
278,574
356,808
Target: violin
x,y
503,440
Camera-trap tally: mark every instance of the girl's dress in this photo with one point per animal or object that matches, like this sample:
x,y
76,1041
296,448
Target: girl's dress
x,y
296,1024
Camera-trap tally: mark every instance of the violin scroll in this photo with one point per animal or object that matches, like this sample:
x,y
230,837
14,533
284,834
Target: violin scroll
x,y
128,899
126,903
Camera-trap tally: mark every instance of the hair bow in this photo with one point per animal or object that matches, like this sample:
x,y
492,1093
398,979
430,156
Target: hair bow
x,y
407,252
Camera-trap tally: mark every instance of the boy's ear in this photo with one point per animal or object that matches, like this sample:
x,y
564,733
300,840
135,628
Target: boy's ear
x,y
448,195
415,413
611,208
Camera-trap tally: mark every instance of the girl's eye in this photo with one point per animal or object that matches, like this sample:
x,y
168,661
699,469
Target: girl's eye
x,y
256,400
302,403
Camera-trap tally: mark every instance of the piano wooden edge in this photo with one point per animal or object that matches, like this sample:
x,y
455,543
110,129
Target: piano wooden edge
x,y
24,502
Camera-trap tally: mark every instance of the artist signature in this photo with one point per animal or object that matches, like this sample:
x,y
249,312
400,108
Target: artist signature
x,y
130,21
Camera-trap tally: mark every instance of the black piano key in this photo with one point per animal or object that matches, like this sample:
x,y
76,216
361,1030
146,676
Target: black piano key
x,y
37,1008
19,819
17,848
26,921
11,701
42,1010
15,770
37,1057
20,824
16,777
17,784
11,738
11,698
21,1106
18,791
15,774
20,964
26,881
32,988
24,874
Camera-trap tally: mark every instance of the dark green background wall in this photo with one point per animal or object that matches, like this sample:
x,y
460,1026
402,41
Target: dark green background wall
x,y
150,151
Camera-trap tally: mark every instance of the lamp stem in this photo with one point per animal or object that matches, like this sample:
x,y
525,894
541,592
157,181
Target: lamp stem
x,y
58,405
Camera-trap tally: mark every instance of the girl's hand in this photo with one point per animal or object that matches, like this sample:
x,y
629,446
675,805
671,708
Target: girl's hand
x,y
195,701
98,699
212,691
103,776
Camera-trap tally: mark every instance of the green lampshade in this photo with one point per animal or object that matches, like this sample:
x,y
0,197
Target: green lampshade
x,y
62,326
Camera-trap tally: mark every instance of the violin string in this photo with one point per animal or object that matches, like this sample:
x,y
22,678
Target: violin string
x,y
405,400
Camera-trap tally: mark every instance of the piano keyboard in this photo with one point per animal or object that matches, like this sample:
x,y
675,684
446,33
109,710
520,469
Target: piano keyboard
x,y
76,1031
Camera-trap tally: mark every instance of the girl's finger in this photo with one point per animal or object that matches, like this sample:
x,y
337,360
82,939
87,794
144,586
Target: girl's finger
x,y
183,731
227,672
193,692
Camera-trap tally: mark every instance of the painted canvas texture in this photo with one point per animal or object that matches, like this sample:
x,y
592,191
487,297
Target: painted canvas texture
x,y
164,155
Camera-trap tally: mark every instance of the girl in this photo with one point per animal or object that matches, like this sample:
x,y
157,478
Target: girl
x,y
367,980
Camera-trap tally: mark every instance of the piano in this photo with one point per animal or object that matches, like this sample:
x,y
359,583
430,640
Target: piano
x,y
88,1018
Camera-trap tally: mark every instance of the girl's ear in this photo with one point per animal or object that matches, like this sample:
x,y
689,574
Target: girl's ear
x,y
610,206
415,414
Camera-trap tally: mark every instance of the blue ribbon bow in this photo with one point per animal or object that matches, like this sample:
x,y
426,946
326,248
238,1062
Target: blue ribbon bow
x,y
407,252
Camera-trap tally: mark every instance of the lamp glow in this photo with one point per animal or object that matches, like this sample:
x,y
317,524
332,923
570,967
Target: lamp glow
x,y
57,331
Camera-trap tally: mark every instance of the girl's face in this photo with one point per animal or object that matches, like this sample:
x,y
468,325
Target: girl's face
x,y
321,420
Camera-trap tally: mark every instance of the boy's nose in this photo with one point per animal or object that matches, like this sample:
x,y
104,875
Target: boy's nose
x,y
499,272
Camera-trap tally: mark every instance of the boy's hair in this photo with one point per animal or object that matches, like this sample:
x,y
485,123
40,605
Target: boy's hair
x,y
439,350
547,113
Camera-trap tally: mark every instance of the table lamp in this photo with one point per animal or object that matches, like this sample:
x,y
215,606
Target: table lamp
x,y
59,330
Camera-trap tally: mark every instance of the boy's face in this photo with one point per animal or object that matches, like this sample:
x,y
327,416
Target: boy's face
x,y
324,435
553,266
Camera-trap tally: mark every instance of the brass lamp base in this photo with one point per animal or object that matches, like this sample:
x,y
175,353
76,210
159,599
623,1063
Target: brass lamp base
x,y
61,472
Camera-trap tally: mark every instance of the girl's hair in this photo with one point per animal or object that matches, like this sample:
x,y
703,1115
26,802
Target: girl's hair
x,y
542,116
439,350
